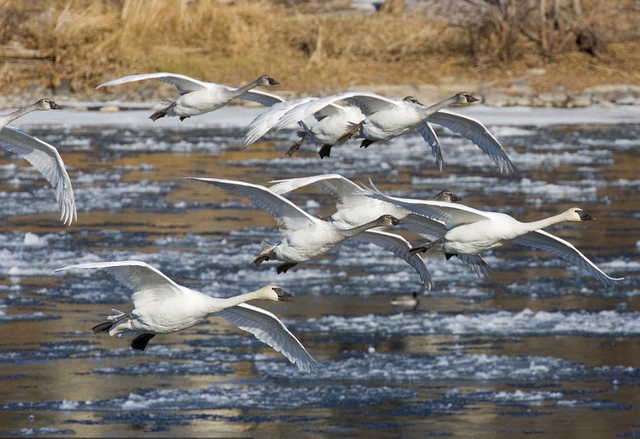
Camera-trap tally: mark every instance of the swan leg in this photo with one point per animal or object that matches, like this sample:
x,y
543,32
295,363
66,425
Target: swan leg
x,y
102,327
182,118
283,268
140,342
162,112
366,142
296,146
262,258
325,151
349,134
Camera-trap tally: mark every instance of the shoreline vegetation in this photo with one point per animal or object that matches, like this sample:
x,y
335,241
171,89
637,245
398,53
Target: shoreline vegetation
x,y
548,53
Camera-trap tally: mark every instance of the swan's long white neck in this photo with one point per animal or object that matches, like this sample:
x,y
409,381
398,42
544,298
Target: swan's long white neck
x,y
428,111
219,304
541,224
246,88
7,119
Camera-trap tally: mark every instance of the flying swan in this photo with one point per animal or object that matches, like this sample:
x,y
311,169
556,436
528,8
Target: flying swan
x,y
305,237
354,208
388,118
471,231
161,306
42,156
199,97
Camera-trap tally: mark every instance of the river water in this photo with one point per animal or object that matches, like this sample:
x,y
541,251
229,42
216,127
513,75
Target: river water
x,y
537,350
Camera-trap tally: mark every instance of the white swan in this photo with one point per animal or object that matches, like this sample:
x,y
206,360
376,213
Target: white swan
x,y
305,237
42,156
333,120
161,306
355,208
388,118
411,301
199,97
472,231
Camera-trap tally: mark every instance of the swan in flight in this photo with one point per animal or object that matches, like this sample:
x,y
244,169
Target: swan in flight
x,y
388,118
332,122
305,237
411,301
42,156
472,231
355,208
161,306
199,97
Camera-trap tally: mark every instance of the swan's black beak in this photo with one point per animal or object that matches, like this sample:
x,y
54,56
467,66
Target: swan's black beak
x,y
55,106
584,216
471,99
283,296
273,82
454,198
395,221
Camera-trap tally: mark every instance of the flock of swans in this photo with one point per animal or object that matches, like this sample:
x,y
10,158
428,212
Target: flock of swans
x,y
161,306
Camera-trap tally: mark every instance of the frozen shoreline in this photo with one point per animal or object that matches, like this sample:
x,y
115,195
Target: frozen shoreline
x,y
240,117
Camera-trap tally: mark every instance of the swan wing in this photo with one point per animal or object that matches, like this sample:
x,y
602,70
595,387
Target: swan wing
x,y
267,328
46,159
262,124
400,247
261,97
330,110
429,135
287,215
335,185
451,214
475,131
148,283
364,101
546,241
427,227
183,83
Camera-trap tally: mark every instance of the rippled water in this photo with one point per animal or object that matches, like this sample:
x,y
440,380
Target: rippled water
x,y
535,350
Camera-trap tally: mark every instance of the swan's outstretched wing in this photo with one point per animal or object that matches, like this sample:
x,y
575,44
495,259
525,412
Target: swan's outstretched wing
x,y
367,102
451,214
148,284
429,135
287,215
475,131
183,83
46,159
335,185
262,124
267,328
400,247
261,97
546,241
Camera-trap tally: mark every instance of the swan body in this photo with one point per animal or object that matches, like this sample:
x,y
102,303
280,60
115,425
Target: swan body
x,y
199,97
161,306
472,231
354,208
42,156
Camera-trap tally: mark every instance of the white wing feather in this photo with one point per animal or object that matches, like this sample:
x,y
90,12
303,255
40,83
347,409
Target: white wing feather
x,y
147,283
475,131
400,247
183,83
546,241
267,328
429,135
262,124
287,215
46,159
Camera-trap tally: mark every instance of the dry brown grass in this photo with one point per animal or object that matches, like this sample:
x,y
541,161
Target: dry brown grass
x,y
94,40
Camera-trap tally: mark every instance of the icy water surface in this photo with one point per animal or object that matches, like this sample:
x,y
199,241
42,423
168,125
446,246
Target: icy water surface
x,y
537,350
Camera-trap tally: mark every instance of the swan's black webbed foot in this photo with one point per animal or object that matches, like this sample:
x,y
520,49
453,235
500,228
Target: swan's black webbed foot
x,y
325,151
285,267
366,142
260,259
140,342
296,146
450,255
102,327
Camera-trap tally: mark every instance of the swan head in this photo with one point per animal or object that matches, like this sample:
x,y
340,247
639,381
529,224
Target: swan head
x,y
266,81
275,293
465,98
577,214
447,195
47,104
413,100
388,221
